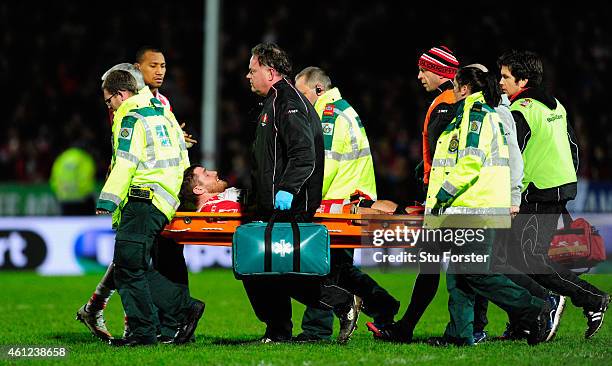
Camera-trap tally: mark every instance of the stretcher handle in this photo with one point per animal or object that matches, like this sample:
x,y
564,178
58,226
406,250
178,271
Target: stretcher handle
x,y
318,216
239,215
332,246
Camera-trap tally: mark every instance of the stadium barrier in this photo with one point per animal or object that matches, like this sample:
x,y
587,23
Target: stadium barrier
x,y
76,245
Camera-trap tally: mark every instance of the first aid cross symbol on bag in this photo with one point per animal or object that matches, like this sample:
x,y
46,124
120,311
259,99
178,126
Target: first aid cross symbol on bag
x,y
282,248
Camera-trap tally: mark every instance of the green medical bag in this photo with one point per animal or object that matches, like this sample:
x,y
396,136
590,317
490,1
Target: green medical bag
x,y
278,248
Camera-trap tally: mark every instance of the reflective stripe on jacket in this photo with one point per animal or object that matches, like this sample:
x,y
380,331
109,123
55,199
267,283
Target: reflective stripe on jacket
x,y
470,174
148,151
348,160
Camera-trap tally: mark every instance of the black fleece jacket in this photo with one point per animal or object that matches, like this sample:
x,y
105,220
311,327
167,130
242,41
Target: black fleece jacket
x,y
439,118
288,152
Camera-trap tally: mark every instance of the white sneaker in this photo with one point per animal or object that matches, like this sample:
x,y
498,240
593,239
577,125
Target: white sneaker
x,y
94,321
595,317
558,305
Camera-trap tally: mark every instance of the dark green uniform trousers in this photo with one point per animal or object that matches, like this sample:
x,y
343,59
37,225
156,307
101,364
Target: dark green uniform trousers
x,y
377,302
465,280
168,259
142,289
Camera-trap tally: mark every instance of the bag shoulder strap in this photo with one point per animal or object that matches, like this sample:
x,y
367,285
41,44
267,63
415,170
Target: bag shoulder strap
x,y
268,243
567,218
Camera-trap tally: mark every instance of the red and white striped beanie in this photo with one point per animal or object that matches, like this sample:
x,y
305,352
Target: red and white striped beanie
x,y
440,60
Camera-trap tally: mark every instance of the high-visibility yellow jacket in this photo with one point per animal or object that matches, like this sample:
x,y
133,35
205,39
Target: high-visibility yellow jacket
x,y
148,151
547,156
348,161
73,175
470,172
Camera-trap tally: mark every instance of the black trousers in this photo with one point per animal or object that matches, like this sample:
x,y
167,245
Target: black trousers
x,y
271,297
500,265
377,302
532,231
425,287
169,260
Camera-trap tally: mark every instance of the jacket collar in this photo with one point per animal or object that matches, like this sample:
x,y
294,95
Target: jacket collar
x,y
447,85
330,96
140,100
466,104
469,101
473,98
538,94
277,85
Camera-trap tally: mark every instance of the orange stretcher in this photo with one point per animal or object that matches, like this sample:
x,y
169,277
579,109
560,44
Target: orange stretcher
x,y
346,230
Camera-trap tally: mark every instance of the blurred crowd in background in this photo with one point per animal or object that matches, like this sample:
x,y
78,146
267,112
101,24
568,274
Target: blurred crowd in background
x,y
52,57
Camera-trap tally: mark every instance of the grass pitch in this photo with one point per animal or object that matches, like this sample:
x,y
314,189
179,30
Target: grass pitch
x,y
37,310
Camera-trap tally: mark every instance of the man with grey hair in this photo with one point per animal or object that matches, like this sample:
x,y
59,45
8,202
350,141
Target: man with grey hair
x,y
92,313
348,160
141,193
313,82
348,173
133,70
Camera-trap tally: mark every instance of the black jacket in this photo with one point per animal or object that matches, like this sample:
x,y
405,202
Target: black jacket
x,y
439,118
288,152
565,192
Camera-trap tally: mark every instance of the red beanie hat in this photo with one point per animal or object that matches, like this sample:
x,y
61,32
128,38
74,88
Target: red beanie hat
x,y
440,60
